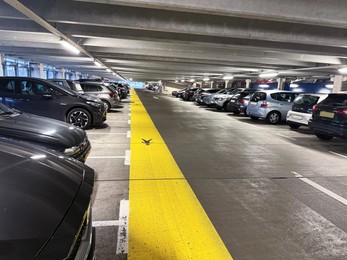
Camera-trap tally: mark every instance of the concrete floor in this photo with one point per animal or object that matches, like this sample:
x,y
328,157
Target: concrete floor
x,y
245,175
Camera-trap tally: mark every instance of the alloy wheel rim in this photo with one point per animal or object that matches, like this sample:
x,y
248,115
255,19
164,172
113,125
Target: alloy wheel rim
x,y
79,118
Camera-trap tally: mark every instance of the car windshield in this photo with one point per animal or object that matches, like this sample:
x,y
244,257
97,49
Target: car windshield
x,y
4,110
306,100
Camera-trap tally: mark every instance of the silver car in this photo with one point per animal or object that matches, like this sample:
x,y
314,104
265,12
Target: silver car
x,y
272,105
107,95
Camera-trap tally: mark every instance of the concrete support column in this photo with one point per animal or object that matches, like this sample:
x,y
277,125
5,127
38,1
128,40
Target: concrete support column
x,y
226,83
2,62
63,73
211,84
76,75
280,83
41,72
248,83
337,83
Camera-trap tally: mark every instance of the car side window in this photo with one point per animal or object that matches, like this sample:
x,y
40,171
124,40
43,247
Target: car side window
x,y
7,85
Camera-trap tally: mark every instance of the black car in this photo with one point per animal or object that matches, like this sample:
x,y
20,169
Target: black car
x,y
53,134
45,204
329,117
238,103
188,94
44,98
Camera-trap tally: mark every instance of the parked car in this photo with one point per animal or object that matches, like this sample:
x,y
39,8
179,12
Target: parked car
x,y
329,117
188,94
108,95
207,100
53,134
238,102
121,89
45,202
174,93
220,101
204,92
180,92
301,110
44,98
272,105
69,84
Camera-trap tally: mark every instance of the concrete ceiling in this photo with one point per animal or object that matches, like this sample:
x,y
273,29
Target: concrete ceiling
x,y
178,39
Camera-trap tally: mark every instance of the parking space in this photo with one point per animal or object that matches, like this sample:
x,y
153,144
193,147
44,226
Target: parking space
x,y
110,160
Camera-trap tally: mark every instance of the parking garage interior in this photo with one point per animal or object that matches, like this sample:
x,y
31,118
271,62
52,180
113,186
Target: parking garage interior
x,y
176,179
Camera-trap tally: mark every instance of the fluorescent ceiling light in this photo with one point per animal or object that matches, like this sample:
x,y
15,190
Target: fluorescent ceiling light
x,y
108,70
293,85
206,79
182,80
268,75
97,63
263,85
343,70
227,77
69,47
131,79
176,81
113,73
329,86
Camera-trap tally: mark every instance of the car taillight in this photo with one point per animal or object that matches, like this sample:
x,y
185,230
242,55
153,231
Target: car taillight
x,y
342,111
315,108
263,104
242,101
111,94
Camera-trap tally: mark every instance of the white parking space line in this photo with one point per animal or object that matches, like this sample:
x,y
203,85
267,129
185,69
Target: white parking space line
x,y
286,137
129,114
127,157
107,223
107,157
322,189
128,134
122,238
343,156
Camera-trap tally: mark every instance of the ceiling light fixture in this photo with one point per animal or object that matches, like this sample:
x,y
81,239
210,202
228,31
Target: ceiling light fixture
x,y
69,47
97,63
228,77
268,75
343,70
206,79
192,80
182,80
176,81
108,70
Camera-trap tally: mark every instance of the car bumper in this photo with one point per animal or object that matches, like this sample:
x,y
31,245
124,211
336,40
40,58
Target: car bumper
x,y
298,118
332,130
99,117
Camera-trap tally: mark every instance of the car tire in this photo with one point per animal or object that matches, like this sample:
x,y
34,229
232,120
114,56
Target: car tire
x,y
324,137
273,117
107,105
293,125
79,117
254,117
225,106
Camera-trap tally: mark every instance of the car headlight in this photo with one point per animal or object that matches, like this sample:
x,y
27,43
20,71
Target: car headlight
x,y
95,104
72,150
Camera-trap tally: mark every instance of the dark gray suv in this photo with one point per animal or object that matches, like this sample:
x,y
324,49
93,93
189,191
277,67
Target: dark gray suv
x,y
44,98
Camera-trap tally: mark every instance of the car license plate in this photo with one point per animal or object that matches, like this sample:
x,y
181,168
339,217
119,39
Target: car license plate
x,y
297,117
253,103
326,114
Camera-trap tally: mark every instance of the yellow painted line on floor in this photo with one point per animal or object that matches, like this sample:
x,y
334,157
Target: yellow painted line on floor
x,y
166,220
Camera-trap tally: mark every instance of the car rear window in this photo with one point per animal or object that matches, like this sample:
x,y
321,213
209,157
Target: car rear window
x,y
335,100
284,97
258,96
306,100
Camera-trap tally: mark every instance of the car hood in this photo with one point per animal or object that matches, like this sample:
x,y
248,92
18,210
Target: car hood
x,y
37,189
90,98
49,132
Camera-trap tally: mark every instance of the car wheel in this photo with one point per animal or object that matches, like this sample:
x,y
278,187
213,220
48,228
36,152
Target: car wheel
x,y
79,117
107,105
273,117
293,126
225,106
324,137
254,117
236,111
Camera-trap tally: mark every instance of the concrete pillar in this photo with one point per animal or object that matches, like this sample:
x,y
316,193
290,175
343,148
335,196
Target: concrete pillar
x,y
248,83
280,83
2,62
41,72
337,83
226,82
76,75
211,86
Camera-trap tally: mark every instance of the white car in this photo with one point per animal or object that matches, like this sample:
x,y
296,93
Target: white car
x,y
301,110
